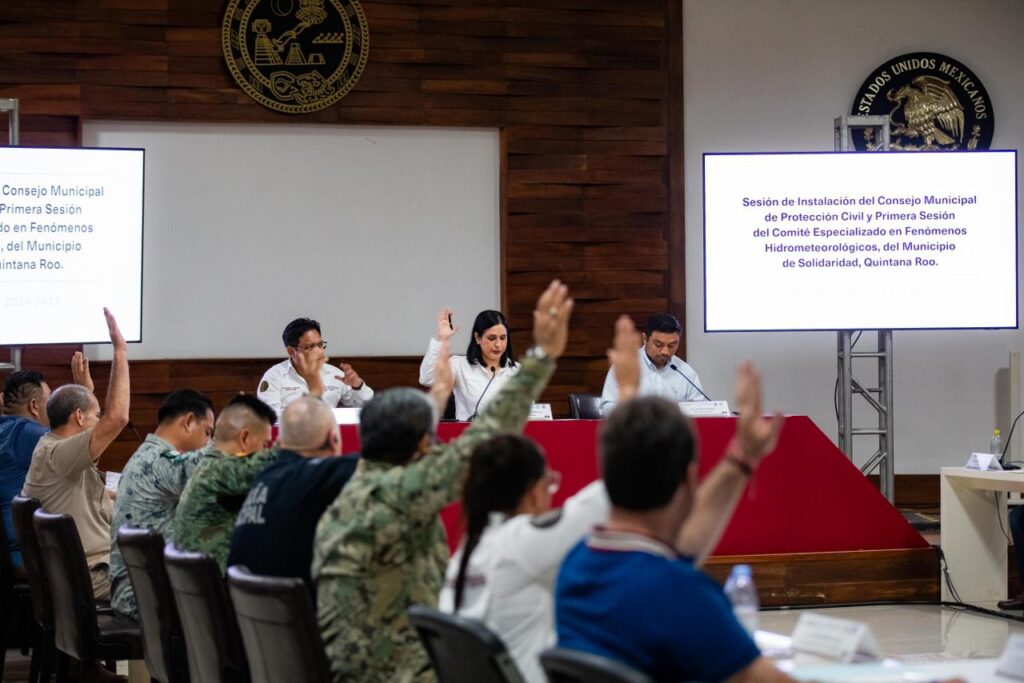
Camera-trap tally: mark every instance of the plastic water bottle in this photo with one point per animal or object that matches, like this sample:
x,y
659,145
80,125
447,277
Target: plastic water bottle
x,y
742,593
995,446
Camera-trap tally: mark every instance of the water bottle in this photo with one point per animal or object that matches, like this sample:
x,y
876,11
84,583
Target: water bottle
x,y
742,593
995,447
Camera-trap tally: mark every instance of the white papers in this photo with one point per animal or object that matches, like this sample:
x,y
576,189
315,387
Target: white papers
x,y
112,480
705,408
838,639
1012,662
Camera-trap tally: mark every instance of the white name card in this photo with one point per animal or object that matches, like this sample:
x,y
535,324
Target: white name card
x,y
346,416
705,408
838,639
1011,664
984,461
541,411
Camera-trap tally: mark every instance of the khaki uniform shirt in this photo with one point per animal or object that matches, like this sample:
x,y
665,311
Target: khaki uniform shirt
x,y
381,548
64,478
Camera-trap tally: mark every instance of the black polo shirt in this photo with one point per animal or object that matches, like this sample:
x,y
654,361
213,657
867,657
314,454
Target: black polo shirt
x,y
277,523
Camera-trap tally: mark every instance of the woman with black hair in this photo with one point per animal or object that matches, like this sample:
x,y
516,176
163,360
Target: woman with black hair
x,y
485,368
504,571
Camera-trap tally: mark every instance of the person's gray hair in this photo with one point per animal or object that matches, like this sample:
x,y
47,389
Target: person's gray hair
x,y
306,424
65,401
392,424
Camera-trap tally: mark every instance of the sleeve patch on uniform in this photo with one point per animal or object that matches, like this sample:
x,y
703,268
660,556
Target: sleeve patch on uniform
x,y
548,519
264,385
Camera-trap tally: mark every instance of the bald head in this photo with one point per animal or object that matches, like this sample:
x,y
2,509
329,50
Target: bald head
x,y
308,428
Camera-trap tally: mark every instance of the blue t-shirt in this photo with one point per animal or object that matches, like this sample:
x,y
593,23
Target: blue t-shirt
x,y
18,438
633,599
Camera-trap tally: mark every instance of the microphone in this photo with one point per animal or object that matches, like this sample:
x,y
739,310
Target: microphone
x,y
494,373
691,383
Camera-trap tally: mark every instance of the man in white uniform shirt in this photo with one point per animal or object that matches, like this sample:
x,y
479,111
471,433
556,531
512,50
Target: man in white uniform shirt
x,y
661,373
289,379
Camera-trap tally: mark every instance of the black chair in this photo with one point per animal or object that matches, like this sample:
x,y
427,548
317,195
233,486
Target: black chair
x,y
570,666
279,629
212,639
162,637
449,410
15,599
45,655
463,650
80,631
585,406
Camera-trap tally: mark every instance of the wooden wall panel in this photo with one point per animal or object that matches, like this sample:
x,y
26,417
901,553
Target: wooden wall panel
x,y
587,94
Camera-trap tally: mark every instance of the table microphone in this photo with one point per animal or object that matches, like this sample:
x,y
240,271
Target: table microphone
x,y
673,366
494,373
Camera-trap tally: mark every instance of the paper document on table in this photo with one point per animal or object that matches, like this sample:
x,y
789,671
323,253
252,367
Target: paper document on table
x,y
1012,662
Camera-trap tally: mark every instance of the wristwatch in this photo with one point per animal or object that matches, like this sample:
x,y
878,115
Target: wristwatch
x,y
536,352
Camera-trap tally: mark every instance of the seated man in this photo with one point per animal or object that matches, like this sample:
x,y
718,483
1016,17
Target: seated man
x,y
21,426
380,547
661,373
675,624
291,378
63,474
213,495
275,528
153,479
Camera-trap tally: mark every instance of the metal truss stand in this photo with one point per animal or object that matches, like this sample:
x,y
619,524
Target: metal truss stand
x,y
13,138
880,397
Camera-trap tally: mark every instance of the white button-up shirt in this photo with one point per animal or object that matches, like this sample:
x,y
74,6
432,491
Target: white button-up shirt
x,y
511,574
281,385
669,382
471,380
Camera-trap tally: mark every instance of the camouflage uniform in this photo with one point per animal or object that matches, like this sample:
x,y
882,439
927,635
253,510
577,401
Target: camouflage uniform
x,y
381,548
206,514
150,486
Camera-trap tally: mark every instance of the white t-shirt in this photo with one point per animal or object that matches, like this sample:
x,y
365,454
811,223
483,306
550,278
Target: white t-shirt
x,y
669,382
281,385
511,574
471,380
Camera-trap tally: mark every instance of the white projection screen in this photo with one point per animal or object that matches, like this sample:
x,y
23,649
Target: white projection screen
x,y
368,229
887,240
70,244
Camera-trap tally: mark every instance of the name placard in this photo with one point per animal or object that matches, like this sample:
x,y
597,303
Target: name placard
x,y
346,416
540,411
984,461
841,640
1011,663
705,408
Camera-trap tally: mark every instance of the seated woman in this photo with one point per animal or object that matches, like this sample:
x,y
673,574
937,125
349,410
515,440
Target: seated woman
x,y
504,571
486,367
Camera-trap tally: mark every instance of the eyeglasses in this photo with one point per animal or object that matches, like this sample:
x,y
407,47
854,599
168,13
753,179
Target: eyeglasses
x,y
309,347
554,481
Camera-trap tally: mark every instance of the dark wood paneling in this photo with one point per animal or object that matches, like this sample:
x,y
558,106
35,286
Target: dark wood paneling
x,y
587,93
838,578
914,490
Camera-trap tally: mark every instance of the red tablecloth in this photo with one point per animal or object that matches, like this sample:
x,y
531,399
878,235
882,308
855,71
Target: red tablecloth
x,y
806,497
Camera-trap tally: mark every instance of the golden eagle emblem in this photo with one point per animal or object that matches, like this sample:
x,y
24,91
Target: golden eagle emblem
x,y
931,113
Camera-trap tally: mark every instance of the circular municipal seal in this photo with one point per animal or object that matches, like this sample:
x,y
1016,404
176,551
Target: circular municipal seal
x,y
295,56
933,103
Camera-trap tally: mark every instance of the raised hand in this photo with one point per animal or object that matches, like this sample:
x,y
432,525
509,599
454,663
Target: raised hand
x,y
444,381
551,319
624,359
444,326
756,435
80,371
116,338
351,377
